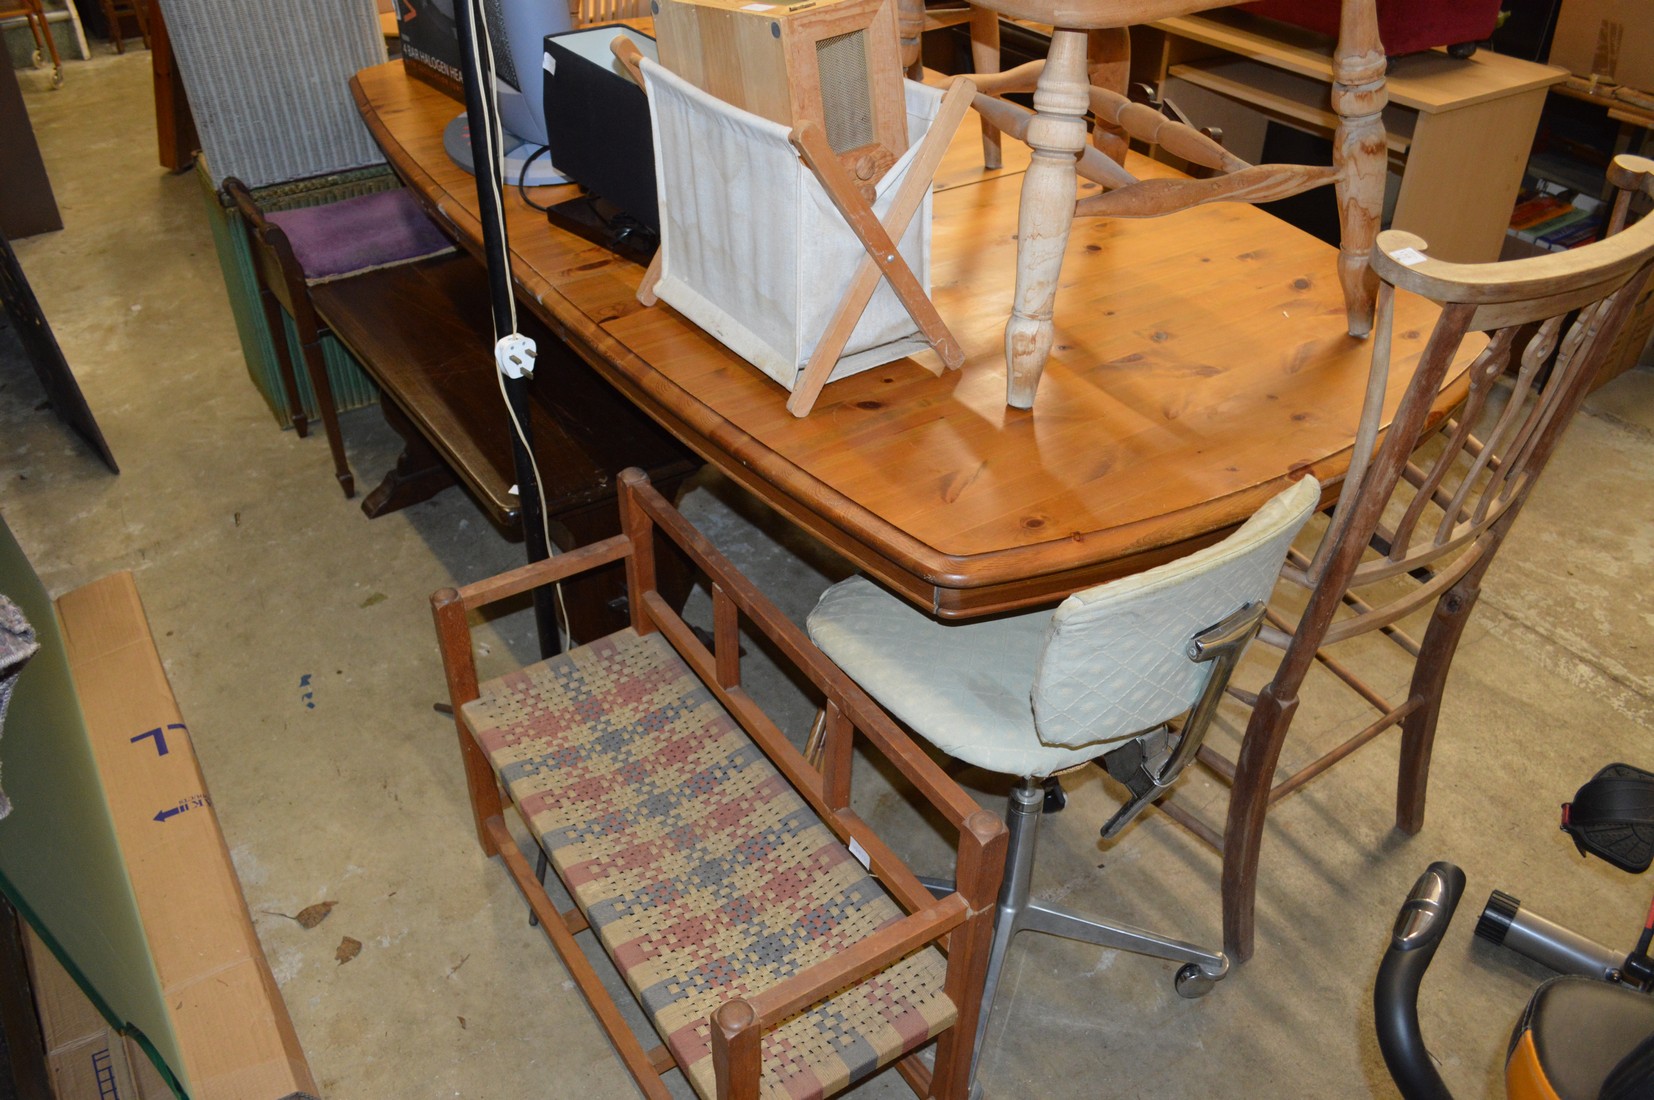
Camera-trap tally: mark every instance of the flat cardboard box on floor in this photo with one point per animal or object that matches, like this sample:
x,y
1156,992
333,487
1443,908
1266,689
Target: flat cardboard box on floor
x,y
1611,39
86,1058
234,1034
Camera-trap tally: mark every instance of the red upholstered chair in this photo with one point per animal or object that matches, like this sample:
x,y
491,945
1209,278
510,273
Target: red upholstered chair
x,y
1404,26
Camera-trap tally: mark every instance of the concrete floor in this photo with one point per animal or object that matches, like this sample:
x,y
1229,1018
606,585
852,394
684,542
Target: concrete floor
x,y
256,574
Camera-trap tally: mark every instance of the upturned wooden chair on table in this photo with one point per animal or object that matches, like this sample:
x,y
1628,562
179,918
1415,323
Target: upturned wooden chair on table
x,y
1425,507
1087,45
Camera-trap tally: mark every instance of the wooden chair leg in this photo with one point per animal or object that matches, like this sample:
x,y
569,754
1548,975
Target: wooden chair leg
x,y
316,368
910,29
985,59
1418,729
35,17
1360,155
142,18
1108,65
284,361
981,865
1057,135
459,669
51,45
114,20
1248,807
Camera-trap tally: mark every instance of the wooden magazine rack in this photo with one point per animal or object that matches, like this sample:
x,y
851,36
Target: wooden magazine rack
x,y
880,221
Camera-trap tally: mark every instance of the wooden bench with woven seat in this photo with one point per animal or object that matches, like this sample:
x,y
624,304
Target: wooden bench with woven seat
x,y
778,946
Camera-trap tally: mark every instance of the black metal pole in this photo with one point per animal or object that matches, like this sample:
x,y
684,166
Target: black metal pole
x,y
478,69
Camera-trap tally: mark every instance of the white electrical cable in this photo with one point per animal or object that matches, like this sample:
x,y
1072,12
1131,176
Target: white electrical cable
x,y
481,39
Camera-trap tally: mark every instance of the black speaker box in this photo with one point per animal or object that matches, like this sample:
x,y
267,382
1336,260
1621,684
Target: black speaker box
x,y
597,124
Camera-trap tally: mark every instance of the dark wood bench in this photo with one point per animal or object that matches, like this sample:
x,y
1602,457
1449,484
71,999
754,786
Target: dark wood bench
x,y
422,332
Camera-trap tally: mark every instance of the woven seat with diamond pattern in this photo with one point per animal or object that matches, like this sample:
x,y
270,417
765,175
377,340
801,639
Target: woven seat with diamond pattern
x,y
705,874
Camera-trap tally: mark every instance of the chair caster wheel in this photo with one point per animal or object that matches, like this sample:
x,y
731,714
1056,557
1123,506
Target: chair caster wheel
x,y
1192,982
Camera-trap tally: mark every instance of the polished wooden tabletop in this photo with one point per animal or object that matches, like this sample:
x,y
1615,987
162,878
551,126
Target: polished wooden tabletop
x,y
1201,364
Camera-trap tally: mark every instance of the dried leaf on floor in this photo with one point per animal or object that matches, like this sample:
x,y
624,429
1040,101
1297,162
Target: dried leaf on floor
x,y
308,917
349,948
312,915
462,1024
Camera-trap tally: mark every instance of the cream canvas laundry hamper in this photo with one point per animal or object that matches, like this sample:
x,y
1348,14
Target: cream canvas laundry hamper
x,y
753,250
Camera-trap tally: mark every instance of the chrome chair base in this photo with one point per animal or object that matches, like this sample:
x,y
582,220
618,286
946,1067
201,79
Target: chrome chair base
x,y
1017,912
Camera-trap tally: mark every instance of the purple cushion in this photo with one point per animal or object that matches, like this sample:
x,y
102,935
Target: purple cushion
x,y
359,234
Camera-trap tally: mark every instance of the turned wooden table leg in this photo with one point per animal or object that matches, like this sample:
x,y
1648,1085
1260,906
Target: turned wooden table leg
x,y
1056,134
1359,155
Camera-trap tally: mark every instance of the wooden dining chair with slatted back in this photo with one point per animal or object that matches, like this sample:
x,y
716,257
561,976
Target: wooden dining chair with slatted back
x,y
1425,507
1087,46
295,249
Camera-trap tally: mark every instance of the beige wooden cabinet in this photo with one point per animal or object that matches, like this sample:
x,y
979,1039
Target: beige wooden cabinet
x,y
1459,131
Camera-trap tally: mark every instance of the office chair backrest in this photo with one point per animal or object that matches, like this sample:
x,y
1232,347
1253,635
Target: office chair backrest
x,y
1116,660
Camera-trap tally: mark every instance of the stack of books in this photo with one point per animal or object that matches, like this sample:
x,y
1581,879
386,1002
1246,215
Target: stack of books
x,y
1553,222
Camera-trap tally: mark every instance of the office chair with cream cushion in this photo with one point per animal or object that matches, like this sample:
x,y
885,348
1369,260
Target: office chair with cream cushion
x,y
1031,695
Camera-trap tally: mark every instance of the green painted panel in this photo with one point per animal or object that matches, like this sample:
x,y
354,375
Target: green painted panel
x,y
60,863
351,387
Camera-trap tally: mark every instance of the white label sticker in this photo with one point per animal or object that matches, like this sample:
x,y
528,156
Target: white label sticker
x,y
548,63
756,7
861,854
1410,257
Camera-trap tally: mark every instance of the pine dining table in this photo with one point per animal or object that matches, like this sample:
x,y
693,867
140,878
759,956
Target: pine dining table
x,y
1201,363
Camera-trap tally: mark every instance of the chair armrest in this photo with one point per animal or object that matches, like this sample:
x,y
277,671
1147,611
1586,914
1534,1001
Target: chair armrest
x,y
782,1001
738,1024
535,574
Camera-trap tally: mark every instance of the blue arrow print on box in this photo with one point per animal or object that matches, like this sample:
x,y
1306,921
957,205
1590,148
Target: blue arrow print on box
x,y
193,802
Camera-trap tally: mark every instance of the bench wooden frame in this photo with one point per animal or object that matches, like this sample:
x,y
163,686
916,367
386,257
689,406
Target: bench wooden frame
x,y
960,924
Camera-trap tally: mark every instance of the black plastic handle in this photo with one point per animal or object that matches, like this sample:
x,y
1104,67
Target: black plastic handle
x,y
1420,925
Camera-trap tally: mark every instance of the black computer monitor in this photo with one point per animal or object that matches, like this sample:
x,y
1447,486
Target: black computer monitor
x,y
515,29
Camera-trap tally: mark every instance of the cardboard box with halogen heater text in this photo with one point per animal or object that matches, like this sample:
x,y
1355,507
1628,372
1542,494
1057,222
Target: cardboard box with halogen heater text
x,y
234,1038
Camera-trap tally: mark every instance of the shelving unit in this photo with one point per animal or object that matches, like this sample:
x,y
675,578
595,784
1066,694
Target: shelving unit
x,y
1459,131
